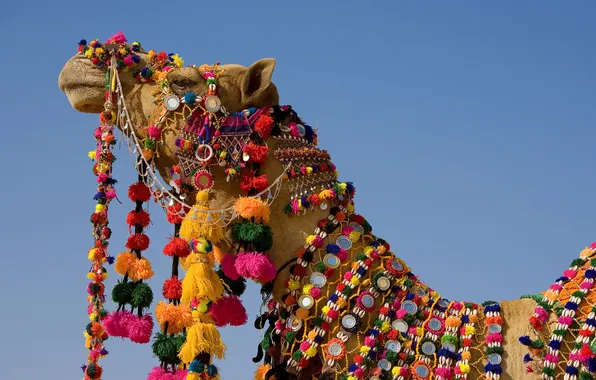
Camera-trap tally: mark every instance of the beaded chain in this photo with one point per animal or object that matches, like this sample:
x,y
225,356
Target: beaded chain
x,y
571,325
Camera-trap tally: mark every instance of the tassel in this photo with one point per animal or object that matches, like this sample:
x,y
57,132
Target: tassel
x,y
202,337
262,371
205,224
200,280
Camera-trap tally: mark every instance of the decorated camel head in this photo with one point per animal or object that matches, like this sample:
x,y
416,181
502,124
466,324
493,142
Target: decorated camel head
x,y
251,196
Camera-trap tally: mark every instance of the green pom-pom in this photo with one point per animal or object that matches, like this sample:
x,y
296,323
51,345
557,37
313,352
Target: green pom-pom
x,y
347,291
142,296
579,294
247,232
361,257
320,267
290,335
297,355
122,292
586,376
410,359
577,263
495,350
451,339
265,240
150,144
165,348
391,356
548,371
237,287
538,344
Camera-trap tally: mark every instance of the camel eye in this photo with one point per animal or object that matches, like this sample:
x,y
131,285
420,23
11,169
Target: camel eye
x,y
182,85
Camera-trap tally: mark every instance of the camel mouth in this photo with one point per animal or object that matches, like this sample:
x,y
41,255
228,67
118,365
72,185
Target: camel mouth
x,y
83,85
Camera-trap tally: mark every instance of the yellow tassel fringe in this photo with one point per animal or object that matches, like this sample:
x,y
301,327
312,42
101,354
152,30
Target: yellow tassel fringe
x,y
197,224
200,280
202,337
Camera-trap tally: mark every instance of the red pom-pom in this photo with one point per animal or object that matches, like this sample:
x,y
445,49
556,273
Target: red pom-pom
x,y
142,218
175,213
99,218
357,219
139,192
299,271
138,241
257,153
177,247
250,182
228,310
172,288
263,126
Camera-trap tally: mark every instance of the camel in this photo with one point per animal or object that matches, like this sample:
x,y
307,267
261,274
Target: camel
x,y
240,88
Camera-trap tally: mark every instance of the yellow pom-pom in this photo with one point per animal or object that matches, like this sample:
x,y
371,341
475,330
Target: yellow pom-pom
x,y
306,288
91,276
419,331
177,60
308,170
312,351
100,208
395,371
92,155
354,235
325,309
355,281
368,250
311,238
249,207
350,208
364,349
470,330
464,368
293,284
385,327
92,254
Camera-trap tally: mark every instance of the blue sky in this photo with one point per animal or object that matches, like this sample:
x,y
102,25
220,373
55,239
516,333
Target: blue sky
x,y
467,128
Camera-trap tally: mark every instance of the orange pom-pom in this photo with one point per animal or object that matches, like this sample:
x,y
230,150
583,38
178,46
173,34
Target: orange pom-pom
x,y
249,207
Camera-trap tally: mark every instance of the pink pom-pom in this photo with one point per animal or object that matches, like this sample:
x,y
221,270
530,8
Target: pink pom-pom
x,y
228,267
228,310
315,292
94,354
570,273
154,132
158,373
140,329
111,194
101,177
342,254
115,325
255,265
117,38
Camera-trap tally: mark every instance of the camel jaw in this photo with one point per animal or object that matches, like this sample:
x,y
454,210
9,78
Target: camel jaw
x,y
83,85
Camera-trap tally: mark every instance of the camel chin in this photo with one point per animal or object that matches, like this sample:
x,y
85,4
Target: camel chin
x,y
83,87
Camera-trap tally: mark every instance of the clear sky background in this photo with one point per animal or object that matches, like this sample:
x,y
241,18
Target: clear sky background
x,y
466,126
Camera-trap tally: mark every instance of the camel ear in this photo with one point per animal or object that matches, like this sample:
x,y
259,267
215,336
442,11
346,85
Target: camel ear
x,y
257,78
